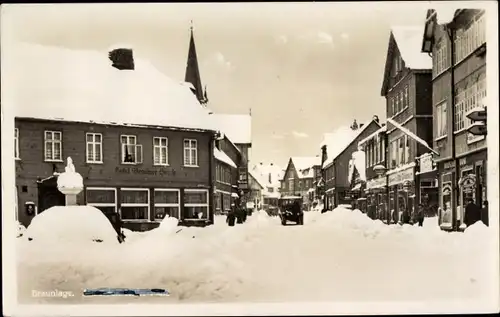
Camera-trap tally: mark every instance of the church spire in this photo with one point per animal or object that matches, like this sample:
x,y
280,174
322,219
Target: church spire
x,y
192,70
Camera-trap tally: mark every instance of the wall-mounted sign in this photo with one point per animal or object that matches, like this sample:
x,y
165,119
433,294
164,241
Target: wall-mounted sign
x,y
468,183
145,171
401,177
426,163
378,182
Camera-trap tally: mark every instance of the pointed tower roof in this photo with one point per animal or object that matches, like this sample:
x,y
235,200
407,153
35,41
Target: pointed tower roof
x,y
192,70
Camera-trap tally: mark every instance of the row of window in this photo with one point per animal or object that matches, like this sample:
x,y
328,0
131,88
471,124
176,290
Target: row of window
x,y
466,41
467,99
375,151
222,201
135,204
399,102
223,174
469,39
400,151
131,151
301,184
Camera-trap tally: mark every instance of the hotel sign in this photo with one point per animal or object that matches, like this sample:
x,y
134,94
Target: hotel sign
x,y
376,183
426,163
401,177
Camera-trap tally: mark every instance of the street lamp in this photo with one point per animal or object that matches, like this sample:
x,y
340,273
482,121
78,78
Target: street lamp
x,y
380,170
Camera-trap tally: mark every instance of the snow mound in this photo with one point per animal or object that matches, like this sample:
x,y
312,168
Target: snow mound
x,y
71,224
260,218
20,230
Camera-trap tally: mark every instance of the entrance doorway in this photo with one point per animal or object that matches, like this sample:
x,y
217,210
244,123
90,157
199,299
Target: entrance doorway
x,y
49,195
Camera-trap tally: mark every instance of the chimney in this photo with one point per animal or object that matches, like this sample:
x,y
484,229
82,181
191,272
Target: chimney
x,y
375,118
354,125
270,180
260,163
122,58
272,164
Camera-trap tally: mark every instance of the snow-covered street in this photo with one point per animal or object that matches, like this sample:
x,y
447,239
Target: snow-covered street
x,y
337,256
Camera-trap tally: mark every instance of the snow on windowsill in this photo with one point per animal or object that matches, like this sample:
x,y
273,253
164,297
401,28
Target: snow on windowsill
x,y
193,166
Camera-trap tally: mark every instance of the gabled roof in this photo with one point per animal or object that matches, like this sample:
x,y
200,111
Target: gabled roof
x,y
223,157
304,165
383,129
339,140
55,83
238,127
304,162
266,170
408,41
257,179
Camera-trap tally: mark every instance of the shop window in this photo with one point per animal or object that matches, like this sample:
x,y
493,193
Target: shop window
x,y
167,203
102,198
227,202
134,204
196,204
446,200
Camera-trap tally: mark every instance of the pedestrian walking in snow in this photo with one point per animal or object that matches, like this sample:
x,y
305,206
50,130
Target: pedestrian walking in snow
x,y
472,213
231,217
419,215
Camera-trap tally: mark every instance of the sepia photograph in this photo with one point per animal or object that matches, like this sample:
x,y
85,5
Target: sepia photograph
x,y
277,158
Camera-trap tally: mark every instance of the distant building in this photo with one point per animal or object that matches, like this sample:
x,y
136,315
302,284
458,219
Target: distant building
x,y
270,175
407,88
108,116
337,149
299,178
458,48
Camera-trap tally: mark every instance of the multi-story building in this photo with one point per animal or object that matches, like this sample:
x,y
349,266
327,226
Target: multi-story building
x,y
234,143
407,88
458,49
257,188
375,146
134,161
299,177
337,149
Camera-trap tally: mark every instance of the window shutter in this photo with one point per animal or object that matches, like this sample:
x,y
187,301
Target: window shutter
x,y
138,154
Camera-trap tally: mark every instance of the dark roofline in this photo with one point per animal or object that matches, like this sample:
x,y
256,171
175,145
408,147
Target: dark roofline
x,y
345,149
114,124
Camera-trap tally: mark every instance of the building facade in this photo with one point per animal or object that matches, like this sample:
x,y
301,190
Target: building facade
x,y
228,157
375,147
143,173
458,51
298,179
338,154
407,88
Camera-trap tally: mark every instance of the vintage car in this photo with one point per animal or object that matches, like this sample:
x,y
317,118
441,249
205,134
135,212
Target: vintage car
x,y
290,209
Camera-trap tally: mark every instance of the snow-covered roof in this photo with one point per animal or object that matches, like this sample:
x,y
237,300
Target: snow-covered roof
x,y
221,156
381,130
265,170
304,162
238,127
409,42
258,179
339,140
56,83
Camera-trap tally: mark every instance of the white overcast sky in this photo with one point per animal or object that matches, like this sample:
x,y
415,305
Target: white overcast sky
x,y
303,69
